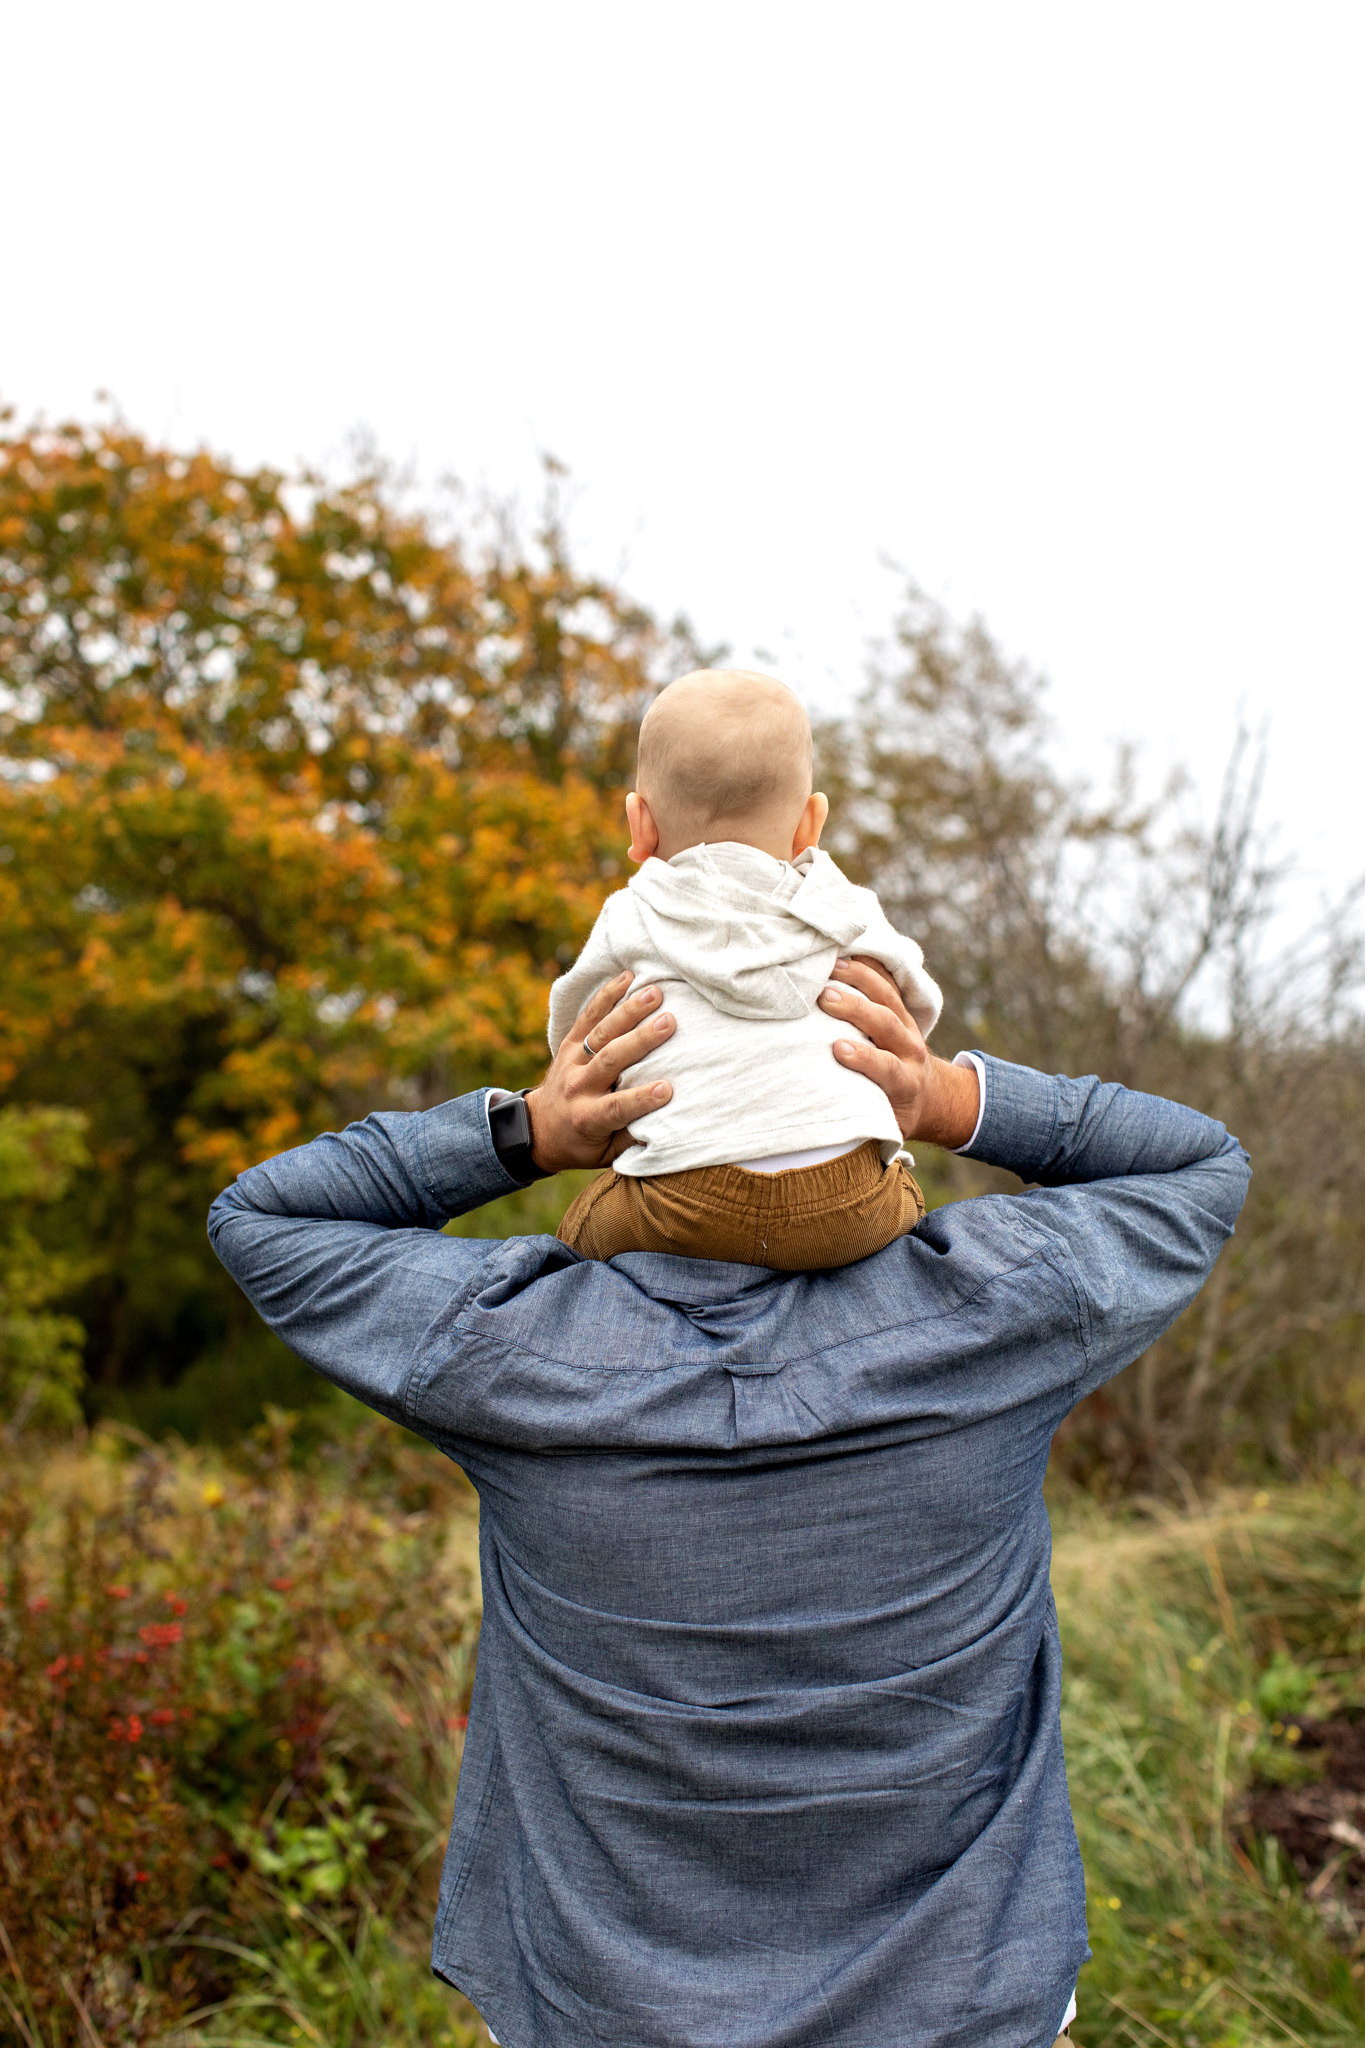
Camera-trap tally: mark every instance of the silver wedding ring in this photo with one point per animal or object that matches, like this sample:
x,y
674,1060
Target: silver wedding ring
x,y
590,1050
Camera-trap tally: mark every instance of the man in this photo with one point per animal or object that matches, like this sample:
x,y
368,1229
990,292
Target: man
x,y
764,1748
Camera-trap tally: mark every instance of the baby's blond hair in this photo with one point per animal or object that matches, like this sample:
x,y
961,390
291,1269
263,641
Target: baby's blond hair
x,y
723,746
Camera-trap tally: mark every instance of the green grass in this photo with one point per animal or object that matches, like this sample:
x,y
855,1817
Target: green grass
x,y
369,1989
1182,1637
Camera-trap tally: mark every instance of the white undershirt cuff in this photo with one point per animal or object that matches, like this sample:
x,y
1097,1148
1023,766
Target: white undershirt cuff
x,y
974,1059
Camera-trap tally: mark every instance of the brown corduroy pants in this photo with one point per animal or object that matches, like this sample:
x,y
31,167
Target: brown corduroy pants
x,y
800,1221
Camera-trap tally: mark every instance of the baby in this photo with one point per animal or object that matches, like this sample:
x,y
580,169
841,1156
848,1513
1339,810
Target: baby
x,y
769,1152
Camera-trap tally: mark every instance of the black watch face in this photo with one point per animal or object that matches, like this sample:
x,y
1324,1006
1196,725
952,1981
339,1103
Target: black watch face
x,y
510,1124
518,1125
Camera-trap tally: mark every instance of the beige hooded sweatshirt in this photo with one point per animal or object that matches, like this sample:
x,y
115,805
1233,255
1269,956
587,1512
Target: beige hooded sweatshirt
x,y
741,944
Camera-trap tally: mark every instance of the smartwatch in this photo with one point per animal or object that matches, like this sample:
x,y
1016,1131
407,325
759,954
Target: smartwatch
x,y
510,1126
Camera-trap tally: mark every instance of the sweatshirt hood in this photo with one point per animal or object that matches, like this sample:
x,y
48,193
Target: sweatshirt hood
x,y
755,935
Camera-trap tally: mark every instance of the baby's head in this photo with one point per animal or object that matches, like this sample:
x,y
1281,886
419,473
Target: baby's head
x,y
725,753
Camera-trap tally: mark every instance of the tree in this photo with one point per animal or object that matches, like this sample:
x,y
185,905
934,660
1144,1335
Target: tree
x,y
302,809
293,620
1122,939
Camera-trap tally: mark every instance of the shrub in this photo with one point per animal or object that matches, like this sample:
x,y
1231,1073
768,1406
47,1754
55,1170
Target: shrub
x,y
231,1707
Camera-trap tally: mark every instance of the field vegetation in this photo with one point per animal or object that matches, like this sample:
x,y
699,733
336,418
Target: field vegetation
x,y
234,1699
306,793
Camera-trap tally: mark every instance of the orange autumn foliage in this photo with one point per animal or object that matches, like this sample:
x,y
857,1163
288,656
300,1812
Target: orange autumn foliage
x,y
158,892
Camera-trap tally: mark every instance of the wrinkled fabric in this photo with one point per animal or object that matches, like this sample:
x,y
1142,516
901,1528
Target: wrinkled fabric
x,y
741,945
764,1750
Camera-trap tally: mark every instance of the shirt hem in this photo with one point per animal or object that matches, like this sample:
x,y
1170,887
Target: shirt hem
x,y
467,1984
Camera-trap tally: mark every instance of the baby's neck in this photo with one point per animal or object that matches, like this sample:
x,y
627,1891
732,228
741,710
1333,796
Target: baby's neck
x,y
735,835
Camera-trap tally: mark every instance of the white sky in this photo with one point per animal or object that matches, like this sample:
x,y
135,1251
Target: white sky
x,y
1059,305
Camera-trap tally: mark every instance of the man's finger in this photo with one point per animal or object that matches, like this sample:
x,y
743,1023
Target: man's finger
x,y
607,1113
625,1014
619,1053
600,1006
873,980
856,1052
882,1067
882,1026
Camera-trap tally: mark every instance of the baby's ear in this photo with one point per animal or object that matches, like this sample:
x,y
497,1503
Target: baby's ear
x,y
812,823
644,833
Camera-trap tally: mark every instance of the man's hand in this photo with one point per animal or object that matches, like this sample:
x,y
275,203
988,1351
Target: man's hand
x,y
576,1120
932,1100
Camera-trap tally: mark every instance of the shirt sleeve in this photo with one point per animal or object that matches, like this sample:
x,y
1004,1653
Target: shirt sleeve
x,y
1135,1197
338,1244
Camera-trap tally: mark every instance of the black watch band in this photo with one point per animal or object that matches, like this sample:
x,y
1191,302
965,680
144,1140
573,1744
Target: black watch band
x,y
510,1125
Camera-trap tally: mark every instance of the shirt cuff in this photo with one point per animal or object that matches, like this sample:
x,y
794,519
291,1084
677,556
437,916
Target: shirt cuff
x,y
973,1059
446,1137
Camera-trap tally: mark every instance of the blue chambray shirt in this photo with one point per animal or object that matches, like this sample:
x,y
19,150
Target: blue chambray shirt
x,y
764,1749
